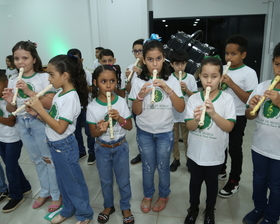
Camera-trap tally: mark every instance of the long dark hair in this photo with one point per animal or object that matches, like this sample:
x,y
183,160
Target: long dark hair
x,y
74,67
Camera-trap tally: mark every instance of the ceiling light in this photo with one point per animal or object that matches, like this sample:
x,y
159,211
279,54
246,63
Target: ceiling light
x,y
166,25
163,20
197,19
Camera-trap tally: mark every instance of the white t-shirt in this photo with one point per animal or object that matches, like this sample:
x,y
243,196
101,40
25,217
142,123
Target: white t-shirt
x,y
246,78
36,83
123,78
65,107
7,134
10,72
89,82
192,86
206,145
95,64
98,110
266,139
158,117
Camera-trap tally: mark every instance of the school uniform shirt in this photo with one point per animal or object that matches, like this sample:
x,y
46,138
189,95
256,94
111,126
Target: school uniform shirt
x,y
134,75
65,107
95,64
158,117
36,83
123,78
207,144
98,110
89,83
246,78
10,72
7,134
192,86
266,139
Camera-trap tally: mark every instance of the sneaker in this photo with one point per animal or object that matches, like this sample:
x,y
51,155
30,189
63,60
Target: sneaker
x,y
222,176
82,156
174,165
12,205
27,192
229,189
91,159
192,214
209,217
4,195
135,160
253,217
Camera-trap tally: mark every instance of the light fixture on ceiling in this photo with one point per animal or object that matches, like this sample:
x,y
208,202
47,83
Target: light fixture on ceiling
x,y
163,20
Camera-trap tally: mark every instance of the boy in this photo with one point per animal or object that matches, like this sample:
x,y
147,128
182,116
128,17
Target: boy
x,y
239,82
96,62
178,61
82,119
10,149
106,57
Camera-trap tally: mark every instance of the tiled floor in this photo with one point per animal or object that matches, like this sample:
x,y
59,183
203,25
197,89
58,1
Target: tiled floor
x,y
228,211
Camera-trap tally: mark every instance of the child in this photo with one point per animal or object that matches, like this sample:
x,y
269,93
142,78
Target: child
x,y
10,149
239,82
82,119
32,130
106,57
11,68
265,150
111,154
66,72
96,62
4,193
207,143
155,122
178,61
137,49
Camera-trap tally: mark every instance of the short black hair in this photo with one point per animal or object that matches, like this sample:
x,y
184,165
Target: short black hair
x,y
178,56
106,52
239,40
139,41
75,51
99,48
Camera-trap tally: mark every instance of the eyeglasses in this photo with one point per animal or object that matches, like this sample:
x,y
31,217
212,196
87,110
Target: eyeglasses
x,y
137,51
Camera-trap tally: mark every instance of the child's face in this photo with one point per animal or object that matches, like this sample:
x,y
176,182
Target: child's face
x,y
97,51
276,66
107,60
138,51
154,59
210,76
106,82
179,66
3,85
8,62
55,78
23,59
233,55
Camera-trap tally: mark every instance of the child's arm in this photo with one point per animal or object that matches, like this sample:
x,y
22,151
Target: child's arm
x,y
8,95
9,121
99,129
185,89
137,103
120,92
243,95
252,103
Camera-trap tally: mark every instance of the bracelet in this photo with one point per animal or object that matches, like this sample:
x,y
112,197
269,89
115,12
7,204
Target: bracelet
x,y
35,116
123,123
171,93
139,98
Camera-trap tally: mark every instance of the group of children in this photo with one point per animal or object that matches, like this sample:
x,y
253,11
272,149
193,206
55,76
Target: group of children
x,y
160,105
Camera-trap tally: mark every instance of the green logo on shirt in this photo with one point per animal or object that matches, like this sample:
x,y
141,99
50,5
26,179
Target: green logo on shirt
x,y
158,95
53,111
224,86
207,121
270,110
106,118
22,94
1,113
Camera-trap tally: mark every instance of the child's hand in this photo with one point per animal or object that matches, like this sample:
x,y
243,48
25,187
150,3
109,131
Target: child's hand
x,y
114,114
226,79
8,95
254,101
35,104
127,72
23,86
102,125
183,86
144,90
30,111
137,70
197,113
274,96
162,84
210,108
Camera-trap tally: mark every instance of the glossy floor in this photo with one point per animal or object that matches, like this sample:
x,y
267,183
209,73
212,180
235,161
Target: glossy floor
x,y
228,211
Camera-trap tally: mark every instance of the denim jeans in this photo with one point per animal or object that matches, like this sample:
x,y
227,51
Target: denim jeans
x,y
32,134
3,185
70,178
79,136
109,161
155,151
266,176
10,153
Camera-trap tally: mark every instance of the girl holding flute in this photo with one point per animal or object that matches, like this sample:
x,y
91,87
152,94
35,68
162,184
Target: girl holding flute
x,y
265,148
207,142
155,121
109,126
66,72
31,129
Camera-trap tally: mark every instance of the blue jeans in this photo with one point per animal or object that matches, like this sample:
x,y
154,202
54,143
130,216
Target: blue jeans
x,y
109,160
79,136
32,134
3,185
70,178
266,176
155,151
10,153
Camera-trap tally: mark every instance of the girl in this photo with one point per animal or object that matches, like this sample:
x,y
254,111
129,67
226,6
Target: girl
x,y
31,129
207,143
66,72
265,150
11,68
111,154
155,122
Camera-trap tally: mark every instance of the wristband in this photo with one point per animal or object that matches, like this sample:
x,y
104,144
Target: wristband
x,y
123,123
35,116
139,98
171,93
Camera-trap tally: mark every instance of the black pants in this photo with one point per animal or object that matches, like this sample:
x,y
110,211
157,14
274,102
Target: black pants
x,y
235,149
209,174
